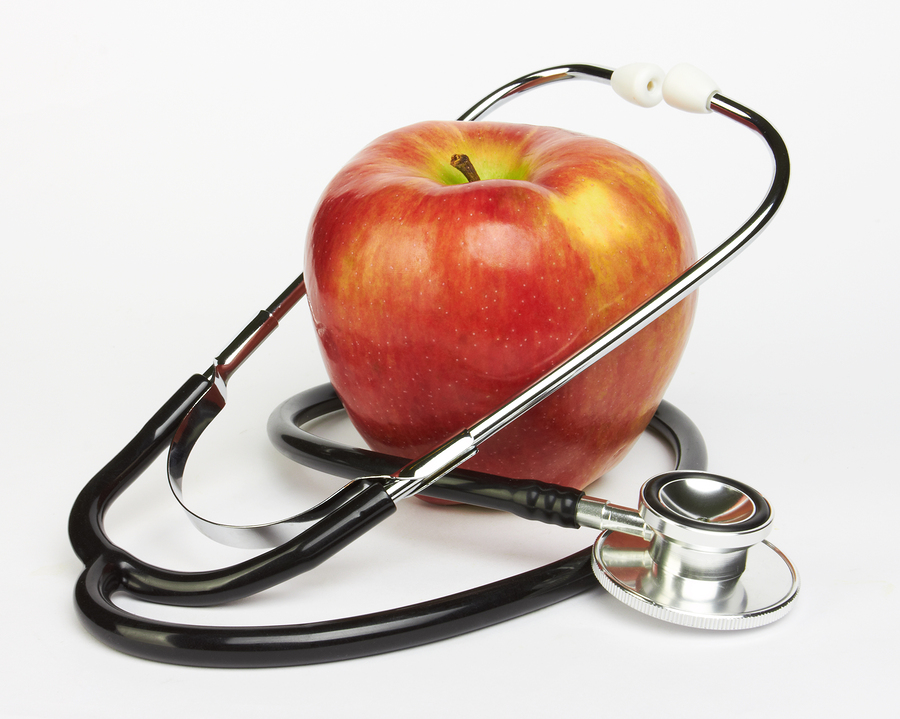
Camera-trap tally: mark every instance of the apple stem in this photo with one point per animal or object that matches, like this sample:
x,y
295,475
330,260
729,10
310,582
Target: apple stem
x,y
465,166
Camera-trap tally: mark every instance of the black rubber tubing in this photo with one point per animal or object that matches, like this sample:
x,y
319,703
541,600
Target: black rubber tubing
x,y
110,569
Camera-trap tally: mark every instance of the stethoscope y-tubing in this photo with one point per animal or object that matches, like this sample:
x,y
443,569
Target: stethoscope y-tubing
x,y
355,509
113,569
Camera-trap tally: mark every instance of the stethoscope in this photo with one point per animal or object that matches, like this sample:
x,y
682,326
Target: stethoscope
x,y
693,553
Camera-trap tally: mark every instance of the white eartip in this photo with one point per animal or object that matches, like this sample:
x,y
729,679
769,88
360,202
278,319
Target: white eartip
x,y
640,83
689,89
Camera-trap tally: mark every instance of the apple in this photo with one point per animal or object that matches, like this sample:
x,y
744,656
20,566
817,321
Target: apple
x,y
439,291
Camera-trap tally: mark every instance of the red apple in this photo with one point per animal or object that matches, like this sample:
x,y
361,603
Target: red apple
x,y
437,298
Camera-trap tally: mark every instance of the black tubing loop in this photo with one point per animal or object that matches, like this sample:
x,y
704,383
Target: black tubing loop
x,y
114,570
529,499
323,641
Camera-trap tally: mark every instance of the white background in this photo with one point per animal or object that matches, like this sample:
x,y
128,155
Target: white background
x,y
158,166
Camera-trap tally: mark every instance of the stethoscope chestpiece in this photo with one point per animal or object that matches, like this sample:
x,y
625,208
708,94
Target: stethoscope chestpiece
x,y
707,564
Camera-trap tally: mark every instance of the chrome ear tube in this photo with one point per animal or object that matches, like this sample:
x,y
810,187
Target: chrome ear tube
x,y
697,547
